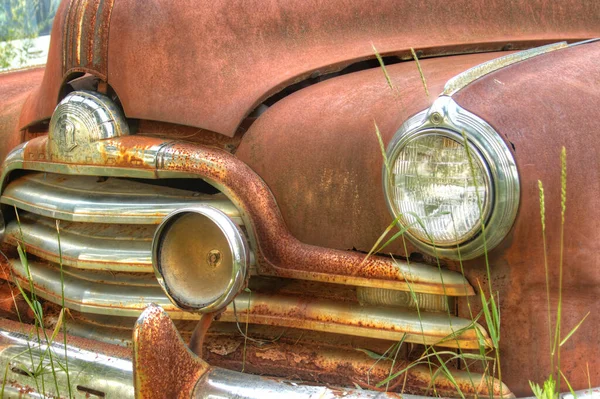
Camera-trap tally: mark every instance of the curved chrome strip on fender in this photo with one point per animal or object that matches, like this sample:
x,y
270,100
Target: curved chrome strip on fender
x,y
460,81
278,253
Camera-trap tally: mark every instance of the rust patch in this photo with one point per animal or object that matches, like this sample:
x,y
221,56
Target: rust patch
x,y
539,106
164,367
331,363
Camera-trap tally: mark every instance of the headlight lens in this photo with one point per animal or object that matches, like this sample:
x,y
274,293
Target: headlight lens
x,y
437,192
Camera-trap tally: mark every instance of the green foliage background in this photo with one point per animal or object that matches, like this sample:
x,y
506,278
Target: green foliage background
x,y
23,20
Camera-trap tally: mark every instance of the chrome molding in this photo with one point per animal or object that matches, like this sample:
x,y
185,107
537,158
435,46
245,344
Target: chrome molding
x,y
113,376
86,199
447,116
98,297
470,75
226,384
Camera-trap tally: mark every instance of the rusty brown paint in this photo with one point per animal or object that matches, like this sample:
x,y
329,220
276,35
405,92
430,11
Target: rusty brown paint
x,y
15,88
12,304
164,367
538,106
279,252
318,152
199,334
332,363
192,134
209,66
43,99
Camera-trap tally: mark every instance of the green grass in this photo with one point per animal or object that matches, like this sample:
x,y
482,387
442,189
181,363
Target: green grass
x,y
38,370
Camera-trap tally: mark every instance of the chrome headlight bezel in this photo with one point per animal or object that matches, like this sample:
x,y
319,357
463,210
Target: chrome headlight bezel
x,y
447,118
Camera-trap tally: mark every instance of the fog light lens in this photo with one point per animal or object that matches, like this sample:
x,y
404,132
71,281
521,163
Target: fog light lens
x,y
437,192
200,258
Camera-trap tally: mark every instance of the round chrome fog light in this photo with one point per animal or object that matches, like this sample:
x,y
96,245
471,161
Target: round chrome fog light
x,y
200,258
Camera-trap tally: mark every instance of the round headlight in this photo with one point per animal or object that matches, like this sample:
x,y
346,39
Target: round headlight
x,y
449,180
437,192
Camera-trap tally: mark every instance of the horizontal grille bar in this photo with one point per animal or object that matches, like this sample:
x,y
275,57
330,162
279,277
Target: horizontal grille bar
x,y
113,200
85,245
88,296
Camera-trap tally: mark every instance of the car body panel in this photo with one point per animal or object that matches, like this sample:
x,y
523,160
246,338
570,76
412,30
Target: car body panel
x,y
318,150
210,66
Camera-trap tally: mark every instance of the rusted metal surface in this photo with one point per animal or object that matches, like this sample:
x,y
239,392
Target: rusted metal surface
x,y
354,319
199,334
193,134
109,295
12,304
15,87
85,37
538,106
164,367
318,152
340,365
278,252
229,58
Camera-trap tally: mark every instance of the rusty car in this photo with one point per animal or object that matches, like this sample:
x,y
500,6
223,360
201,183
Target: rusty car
x,y
304,198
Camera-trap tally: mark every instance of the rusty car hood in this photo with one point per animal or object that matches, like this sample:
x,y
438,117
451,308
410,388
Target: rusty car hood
x,y
209,65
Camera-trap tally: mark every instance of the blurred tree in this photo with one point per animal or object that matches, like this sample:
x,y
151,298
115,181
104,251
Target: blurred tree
x,y
20,22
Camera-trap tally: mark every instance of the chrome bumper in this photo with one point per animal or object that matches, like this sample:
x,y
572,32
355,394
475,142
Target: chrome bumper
x,y
162,367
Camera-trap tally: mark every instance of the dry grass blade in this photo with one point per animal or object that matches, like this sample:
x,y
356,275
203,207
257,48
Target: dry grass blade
x,y
412,50
385,72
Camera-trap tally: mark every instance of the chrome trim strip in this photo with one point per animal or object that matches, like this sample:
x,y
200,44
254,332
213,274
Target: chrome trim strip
x,y
470,75
584,42
88,296
85,199
114,377
84,245
226,384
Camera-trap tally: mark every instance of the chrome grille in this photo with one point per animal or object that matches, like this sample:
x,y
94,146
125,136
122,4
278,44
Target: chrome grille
x,y
106,228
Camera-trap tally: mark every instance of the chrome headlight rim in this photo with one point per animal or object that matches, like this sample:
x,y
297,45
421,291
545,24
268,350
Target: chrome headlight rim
x,y
445,115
